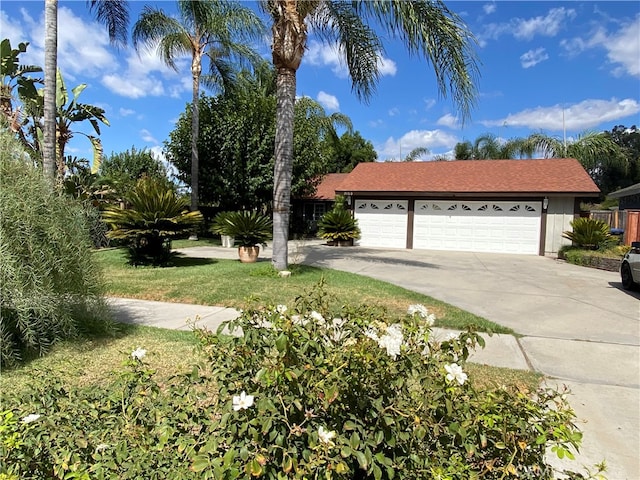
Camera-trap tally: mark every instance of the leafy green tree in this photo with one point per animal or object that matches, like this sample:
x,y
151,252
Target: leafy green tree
x,y
213,29
121,171
615,177
348,151
427,28
49,283
236,144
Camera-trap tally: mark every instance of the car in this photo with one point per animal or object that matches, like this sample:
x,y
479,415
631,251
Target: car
x,y
630,267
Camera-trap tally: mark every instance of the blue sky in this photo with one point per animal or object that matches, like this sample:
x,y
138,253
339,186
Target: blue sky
x,y
539,62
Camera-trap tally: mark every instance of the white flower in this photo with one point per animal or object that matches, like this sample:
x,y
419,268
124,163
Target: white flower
x,y
392,340
298,320
242,401
281,309
454,372
450,336
30,418
326,436
317,317
371,333
430,320
138,353
102,446
419,309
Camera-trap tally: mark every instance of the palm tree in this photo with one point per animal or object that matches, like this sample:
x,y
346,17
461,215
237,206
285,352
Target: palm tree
x,y
490,147
115,15
427,28
592,149
215,29
416,153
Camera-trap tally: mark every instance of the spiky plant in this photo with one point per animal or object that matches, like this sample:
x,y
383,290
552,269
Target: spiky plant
x,y
155,215
338,225
588,233
248,228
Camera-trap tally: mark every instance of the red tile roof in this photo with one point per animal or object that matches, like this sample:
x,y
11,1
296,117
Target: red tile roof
x,y
557,175
327,188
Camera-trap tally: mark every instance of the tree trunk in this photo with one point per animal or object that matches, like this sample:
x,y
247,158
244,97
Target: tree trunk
x,y
196,69
283,165
50,68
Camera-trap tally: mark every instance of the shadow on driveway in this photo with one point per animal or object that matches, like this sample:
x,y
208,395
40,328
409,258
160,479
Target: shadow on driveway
x,y
324,254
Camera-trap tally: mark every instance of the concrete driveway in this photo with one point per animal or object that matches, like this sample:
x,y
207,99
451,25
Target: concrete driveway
x,y
579,328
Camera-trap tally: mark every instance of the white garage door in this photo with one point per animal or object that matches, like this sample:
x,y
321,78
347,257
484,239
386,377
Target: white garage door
x,y
382,223
477,226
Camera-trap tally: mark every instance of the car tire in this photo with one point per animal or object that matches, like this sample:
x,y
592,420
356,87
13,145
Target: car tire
x,y
627,278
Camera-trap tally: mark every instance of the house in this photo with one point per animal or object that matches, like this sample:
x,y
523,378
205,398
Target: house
x,y
503,206
307,211
629,198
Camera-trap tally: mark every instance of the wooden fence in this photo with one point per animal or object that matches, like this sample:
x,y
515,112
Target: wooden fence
x,y
627,220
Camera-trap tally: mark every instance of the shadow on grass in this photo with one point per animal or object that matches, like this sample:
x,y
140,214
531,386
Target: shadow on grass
x,y
183,261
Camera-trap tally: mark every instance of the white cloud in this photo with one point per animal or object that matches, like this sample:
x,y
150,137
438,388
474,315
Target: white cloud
x,y
449,121
387,66
376,123
622,47
528,28
330,102
578,117
533,57
147,136
394,111
431,139
489,8
321,54
125,112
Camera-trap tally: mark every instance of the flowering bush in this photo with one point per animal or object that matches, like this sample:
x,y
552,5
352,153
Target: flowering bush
x,y
298,392
356,395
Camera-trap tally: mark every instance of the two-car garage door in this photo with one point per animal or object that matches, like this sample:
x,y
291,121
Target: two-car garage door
x,y
458,225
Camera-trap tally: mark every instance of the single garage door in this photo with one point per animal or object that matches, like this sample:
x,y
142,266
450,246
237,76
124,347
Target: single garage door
x,y
477,226
382,223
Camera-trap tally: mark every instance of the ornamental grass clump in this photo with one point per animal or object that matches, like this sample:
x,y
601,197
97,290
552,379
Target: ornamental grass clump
x,y
50,287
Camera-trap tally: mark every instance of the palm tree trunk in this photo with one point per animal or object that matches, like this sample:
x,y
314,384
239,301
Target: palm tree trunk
x,y
286,96
50,68
195,123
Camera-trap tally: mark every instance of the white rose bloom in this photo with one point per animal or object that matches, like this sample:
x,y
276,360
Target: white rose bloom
x,y
30,418
317,317
242,401
454,372
392,340
281,309
418,309
138,353
326,436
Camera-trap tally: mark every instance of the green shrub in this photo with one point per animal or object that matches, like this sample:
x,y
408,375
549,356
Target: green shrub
x,y
337,225
589,233
49,285
248,228
307,393
155,215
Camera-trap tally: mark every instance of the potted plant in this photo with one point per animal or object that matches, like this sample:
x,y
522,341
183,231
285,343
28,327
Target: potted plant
x,y
339,228
249,229
218,227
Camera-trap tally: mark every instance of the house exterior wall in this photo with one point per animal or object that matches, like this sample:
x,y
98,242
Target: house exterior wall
x,y
560,212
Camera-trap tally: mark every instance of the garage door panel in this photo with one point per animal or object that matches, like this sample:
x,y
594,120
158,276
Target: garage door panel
x,y
506,226
383,223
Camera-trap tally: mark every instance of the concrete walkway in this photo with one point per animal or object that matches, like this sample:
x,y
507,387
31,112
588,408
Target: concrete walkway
x,y
579,327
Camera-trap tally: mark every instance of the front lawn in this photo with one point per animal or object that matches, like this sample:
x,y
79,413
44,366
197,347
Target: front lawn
x,y
229,283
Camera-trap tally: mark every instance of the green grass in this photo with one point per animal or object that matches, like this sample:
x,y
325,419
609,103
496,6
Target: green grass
x,y
230,283
201,242
91,362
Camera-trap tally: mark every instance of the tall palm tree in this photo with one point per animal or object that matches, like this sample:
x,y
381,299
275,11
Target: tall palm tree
x,y
213,29
427,28
115,15
592,149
